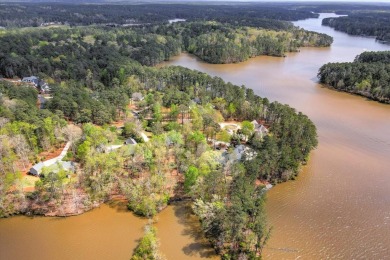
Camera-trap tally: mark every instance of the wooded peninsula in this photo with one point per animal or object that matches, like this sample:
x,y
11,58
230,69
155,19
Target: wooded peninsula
x,y
363,23
368,75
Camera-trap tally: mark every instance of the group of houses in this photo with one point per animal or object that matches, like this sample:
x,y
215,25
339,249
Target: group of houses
x,y
41,85
239,149
33,81
53,24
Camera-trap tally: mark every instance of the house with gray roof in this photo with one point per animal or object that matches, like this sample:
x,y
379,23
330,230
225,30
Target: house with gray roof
x,y
45,88
36,170
34,80
137,96
130,141
260,130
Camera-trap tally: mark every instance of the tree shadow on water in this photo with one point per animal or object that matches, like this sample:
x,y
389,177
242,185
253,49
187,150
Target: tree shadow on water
x,y
192,229
118,205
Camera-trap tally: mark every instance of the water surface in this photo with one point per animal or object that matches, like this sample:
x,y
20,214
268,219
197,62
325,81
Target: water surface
x,y
339,207
109,232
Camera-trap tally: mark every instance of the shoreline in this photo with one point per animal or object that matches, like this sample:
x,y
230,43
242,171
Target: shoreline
x,y
369,98
68,207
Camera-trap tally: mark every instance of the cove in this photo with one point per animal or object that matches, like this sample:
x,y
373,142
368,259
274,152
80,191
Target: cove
x,y
108,232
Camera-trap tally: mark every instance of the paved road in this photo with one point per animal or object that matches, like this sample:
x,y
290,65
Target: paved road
x,y
59,157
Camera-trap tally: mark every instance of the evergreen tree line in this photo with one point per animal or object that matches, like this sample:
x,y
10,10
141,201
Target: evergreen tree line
x,y
363,23
341,8
256,14
64,54
368,75
218,43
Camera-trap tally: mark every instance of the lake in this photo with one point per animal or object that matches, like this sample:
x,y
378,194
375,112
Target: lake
x,y
339,207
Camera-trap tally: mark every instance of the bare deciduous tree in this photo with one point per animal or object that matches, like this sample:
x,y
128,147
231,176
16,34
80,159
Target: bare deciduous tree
x,y
22,149
3,121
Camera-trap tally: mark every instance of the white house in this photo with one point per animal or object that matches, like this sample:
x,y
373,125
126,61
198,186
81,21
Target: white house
x,y
259,129
137,96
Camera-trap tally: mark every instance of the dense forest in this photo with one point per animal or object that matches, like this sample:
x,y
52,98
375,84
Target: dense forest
x,y
64,54
363,23
368,75
363,19
95,73
216,43
341,8
257,14
266,15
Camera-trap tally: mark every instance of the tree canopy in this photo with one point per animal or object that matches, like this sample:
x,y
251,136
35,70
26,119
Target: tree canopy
x,y
368,76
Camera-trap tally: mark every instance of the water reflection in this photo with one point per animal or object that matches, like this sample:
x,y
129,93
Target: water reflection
x,y
180,233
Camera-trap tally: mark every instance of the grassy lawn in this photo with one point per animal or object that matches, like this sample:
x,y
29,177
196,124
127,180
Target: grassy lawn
x,y
118,141
29,181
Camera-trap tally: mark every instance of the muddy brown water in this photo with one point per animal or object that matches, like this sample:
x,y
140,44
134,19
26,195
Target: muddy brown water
x,y
109,232
339,207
